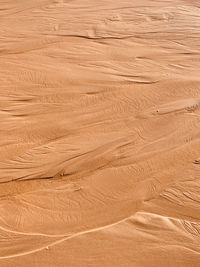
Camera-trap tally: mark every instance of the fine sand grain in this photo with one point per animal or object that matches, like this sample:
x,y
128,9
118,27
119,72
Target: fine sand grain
x,y
100,133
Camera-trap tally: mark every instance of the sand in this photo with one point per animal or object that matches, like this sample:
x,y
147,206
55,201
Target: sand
x,y
100,133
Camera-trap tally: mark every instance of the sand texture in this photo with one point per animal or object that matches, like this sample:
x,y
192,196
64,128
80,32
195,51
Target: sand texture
x,y
100,133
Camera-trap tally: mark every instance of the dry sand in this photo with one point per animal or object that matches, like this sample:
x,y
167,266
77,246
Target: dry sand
x,y
100,137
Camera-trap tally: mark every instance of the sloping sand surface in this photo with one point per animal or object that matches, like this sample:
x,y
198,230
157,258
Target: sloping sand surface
x,y
100,133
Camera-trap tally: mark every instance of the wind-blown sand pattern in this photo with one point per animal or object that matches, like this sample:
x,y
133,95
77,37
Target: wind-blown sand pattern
x,y
100,133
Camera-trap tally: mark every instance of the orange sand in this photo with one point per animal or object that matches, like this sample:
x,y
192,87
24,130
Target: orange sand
x,y
100,137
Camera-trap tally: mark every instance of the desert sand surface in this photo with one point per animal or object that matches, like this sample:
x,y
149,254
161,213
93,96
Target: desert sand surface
x,y
100,133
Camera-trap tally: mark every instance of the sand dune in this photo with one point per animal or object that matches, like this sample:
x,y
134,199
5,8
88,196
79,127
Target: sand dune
x,y
99,139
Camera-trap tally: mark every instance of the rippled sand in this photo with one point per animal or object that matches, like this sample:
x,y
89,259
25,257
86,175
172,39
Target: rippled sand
x,y
100,133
